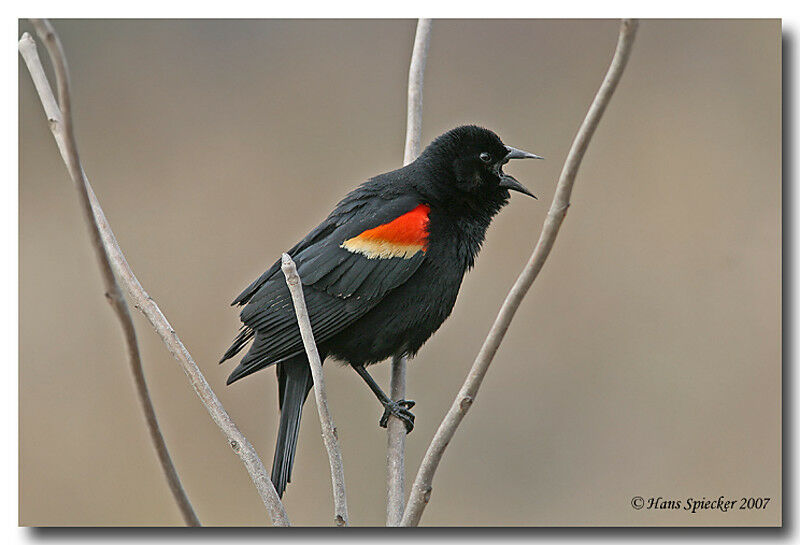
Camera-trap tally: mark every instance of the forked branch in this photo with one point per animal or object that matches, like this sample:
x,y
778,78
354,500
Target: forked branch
x,y
113,257
60,121
423,483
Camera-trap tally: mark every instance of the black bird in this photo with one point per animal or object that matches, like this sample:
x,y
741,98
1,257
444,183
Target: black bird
x,y
380,274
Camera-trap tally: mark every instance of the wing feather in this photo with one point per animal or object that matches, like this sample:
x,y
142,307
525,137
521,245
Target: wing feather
x,y
340,286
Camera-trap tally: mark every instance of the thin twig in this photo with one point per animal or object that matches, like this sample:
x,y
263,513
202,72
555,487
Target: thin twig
x,y
60,121
396,430
416,76
395,448
421,490
149,308
329,436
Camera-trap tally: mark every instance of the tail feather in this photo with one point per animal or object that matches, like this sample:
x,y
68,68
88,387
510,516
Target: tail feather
x,y
244,336
294,384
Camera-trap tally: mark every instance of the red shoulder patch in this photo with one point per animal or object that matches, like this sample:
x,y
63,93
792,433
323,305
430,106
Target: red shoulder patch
x,y
402,237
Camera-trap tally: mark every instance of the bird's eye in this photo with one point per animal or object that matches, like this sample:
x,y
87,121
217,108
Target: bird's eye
x,y
485,157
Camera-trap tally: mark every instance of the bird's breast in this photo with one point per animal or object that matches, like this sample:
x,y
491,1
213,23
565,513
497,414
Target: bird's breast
x,y
455,240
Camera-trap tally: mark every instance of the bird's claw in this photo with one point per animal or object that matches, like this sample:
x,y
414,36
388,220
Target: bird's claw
x,y
400,409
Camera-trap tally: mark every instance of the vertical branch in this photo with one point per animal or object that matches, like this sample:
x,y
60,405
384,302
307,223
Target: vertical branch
x,y
422,488
142,301
395,448
320,393
60,120
416,75
396,431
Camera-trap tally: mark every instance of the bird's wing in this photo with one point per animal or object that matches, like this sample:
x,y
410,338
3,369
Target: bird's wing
x,y
323,229
347,265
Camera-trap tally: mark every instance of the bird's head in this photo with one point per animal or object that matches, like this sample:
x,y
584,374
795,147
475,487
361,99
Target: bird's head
x,y
472,159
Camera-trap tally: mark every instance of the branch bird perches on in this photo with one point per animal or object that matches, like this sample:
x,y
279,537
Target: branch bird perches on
x,y
395,430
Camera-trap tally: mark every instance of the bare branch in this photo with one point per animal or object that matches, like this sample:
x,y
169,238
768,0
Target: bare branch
x,y
145,303
320,393
416,76
396,430
421,490
395,448
60,121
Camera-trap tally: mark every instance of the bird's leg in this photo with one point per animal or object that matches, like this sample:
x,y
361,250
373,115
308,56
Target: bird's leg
x,y
400,409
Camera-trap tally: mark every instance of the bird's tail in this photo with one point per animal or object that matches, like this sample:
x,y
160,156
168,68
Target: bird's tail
x,y
294,383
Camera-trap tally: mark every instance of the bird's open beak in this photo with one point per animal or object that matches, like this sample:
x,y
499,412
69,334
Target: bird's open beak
x,y
514,153
508,181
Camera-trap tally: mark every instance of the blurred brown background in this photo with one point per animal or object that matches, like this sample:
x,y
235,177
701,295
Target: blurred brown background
x,y
645,360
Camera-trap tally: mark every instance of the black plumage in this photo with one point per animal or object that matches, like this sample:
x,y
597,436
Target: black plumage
x,y
380,274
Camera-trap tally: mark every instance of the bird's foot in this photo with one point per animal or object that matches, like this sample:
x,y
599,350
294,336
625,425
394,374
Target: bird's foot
x,y
400,409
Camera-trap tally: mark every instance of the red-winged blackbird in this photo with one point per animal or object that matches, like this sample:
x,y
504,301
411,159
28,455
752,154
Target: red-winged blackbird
x,y
380,274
